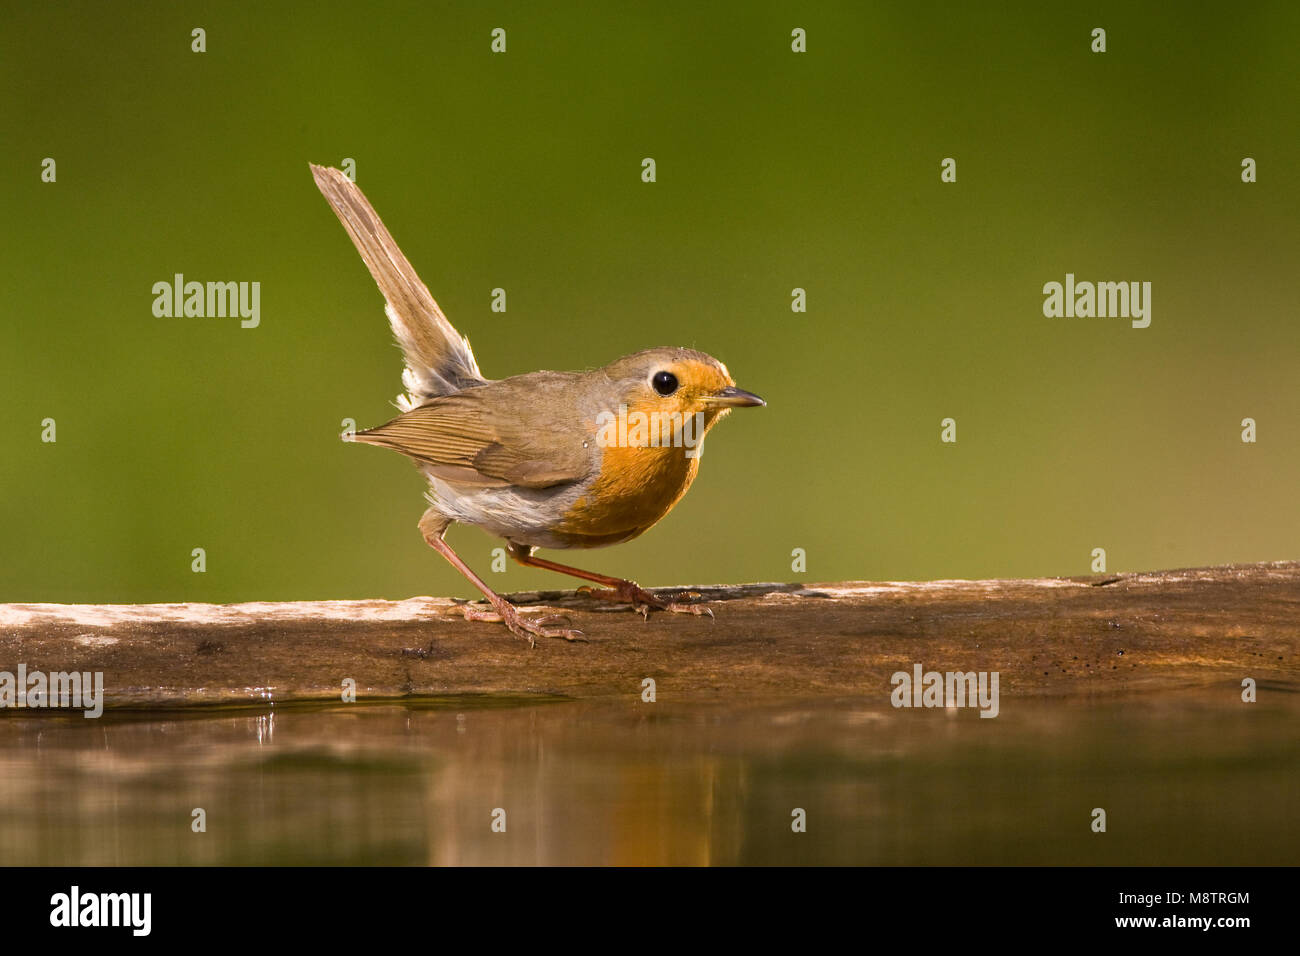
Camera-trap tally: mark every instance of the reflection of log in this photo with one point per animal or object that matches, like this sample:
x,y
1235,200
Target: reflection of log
x,y
1122,632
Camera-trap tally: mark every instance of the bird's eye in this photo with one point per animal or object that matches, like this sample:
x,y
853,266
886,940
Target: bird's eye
x,y
665,383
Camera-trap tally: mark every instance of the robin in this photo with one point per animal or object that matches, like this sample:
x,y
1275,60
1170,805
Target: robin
x,y
543,460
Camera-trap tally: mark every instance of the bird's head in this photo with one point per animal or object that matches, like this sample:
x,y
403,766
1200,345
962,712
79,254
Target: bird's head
x,y
677,380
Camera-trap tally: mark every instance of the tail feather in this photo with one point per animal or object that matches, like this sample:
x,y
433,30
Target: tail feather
x,y
439,359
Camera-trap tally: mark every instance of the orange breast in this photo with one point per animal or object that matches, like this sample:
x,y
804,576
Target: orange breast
x,y
636,487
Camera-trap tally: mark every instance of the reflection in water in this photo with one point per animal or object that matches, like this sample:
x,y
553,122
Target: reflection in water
x,y
1183,781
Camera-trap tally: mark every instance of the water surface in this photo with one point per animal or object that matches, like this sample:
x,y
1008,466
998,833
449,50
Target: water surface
x,y
1182,780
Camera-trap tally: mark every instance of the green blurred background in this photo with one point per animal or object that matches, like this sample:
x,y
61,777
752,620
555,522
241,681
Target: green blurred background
x,y
776,170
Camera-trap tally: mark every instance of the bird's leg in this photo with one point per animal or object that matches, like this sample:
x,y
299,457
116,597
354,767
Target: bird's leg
x,y
615,589
505,611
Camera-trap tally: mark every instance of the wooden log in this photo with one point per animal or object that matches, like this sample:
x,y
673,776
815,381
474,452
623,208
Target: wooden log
x,y
1053,636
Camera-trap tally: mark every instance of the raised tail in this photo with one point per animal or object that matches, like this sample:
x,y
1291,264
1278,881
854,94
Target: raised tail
x,y
439,360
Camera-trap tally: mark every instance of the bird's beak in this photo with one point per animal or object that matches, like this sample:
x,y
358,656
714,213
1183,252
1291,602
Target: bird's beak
x,y
732,397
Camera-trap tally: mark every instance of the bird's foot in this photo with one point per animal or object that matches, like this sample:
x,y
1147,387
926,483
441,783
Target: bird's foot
x,y
643,601
506,613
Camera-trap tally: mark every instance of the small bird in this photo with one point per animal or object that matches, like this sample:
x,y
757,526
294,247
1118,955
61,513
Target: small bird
x,y
543,460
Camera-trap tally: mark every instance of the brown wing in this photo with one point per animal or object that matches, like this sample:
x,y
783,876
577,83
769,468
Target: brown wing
x,y
467,439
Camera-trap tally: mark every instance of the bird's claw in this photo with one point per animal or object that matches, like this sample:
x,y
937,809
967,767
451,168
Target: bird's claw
x,y
643,601
697,609
521,627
